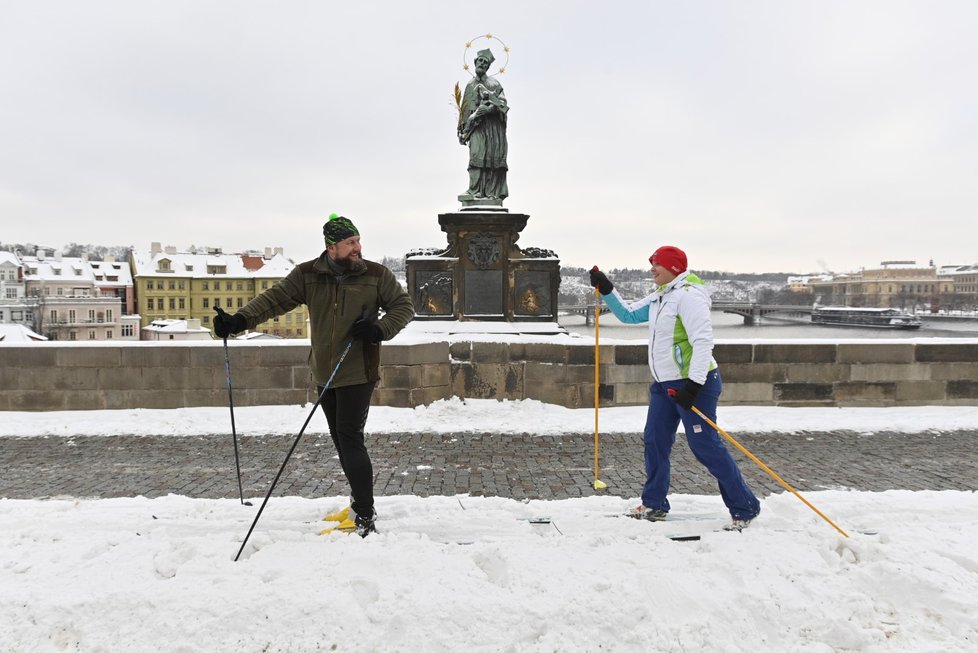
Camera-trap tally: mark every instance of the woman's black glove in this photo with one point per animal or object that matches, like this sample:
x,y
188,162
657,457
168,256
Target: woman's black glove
x,y
686,395
369,332
225,325
600,281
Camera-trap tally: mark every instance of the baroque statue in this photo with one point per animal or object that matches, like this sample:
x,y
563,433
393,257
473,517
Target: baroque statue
x,y
482,127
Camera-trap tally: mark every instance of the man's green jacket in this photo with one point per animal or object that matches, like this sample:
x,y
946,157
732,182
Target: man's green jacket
x,y
334,304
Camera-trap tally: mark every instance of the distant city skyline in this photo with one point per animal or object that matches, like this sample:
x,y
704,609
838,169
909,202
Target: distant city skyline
x,y
284,252
758,136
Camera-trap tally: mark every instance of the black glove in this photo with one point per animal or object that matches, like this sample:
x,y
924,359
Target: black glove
x,y
600,281
225,325
686,395
369,332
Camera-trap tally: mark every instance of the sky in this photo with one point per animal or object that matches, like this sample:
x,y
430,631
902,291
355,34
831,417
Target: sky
x,y
759,136
475,573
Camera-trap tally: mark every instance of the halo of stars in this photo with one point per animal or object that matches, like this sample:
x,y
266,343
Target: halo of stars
x,y
467,67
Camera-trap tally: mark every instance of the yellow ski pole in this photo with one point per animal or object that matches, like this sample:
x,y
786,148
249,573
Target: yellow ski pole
x,y
598,485
763,466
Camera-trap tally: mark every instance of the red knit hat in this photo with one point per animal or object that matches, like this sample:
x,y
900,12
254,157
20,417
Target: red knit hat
x,y
671,258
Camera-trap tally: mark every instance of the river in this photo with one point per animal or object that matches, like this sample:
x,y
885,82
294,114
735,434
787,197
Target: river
x,y
731,327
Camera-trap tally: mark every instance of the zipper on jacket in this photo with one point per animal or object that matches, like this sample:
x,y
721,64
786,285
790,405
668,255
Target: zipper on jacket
x,y
658,310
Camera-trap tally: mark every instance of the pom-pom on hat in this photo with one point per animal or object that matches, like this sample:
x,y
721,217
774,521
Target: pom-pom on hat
x,y
671,258
338,228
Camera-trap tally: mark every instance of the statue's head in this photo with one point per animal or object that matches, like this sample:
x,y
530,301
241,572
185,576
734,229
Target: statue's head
x,y
483,59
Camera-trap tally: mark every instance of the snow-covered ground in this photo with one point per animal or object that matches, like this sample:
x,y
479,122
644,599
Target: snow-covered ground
x,y
475,573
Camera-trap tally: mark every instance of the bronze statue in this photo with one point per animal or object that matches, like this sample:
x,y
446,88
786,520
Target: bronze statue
x,y
482,126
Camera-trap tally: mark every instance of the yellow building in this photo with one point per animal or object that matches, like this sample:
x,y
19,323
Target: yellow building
x,y
895,284
188,285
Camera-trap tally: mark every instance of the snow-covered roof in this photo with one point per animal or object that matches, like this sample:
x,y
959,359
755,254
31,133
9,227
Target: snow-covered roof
x,y
10,258
51,269
104,272
947,270
175,326
258,335
18,333
197,266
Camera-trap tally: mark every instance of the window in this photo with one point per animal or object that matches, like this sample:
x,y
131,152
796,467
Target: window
x,y
91,335
264,285
227,285
73,335
207,303
149,304
109,315
126,330
91,315
173,304
54,316
206,286
108,334
240,302
180,285
229,303
71,316
173,285
159,285
240,285
149,285
182,303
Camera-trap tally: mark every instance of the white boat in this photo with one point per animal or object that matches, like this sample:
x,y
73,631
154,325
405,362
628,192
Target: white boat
x,y
878,318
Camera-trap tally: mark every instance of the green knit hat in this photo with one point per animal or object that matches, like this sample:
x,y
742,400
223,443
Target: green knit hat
x,y
338,228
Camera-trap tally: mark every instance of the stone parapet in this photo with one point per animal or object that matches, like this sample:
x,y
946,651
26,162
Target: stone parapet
x,y
54,376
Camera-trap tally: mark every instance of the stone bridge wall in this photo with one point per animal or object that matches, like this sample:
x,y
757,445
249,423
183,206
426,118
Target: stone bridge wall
x,y
169,375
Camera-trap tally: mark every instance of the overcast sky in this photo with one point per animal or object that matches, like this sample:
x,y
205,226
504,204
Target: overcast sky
x,y
758,136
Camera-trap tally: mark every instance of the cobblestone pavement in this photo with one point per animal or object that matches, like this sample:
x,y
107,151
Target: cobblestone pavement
x,y
517,466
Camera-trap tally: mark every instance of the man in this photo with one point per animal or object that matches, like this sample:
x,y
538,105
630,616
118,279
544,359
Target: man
x,y
684,374
482,126
343,293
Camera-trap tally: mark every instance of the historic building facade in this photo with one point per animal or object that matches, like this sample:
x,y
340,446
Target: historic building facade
x,y
172,285
895,284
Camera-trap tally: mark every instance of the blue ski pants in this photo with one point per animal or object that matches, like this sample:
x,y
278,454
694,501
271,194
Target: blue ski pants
x,y
663,419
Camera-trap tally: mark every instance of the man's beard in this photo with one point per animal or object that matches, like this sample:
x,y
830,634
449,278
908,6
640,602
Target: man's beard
x,y
350,264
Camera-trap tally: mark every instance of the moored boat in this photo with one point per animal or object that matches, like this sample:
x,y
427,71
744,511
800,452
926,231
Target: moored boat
x,y
879,318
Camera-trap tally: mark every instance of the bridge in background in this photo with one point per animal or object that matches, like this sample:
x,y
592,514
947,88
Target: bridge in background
x,y
754,313
751,312
587,310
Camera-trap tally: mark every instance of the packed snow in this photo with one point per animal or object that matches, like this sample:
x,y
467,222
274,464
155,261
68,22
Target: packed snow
x,y
487,573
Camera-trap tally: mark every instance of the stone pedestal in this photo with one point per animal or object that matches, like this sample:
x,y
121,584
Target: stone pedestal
x,y
483,274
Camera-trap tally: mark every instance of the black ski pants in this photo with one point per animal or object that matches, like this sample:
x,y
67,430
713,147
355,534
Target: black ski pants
x,y
346,413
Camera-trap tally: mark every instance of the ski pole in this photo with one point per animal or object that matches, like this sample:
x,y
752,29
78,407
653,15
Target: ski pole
x,y
762,465
268,495
234,432
598,485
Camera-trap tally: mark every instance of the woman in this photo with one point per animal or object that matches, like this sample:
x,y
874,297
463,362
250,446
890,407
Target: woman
x,y
684,374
